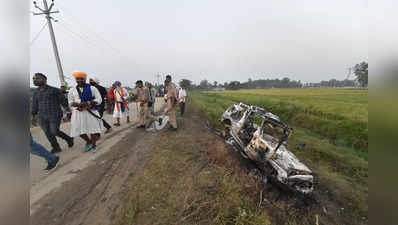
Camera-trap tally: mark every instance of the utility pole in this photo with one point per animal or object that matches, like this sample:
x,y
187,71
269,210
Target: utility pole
x,y
47,11
158,80
349,73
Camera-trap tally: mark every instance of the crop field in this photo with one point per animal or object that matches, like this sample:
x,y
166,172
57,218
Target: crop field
x,y
341,115
332,124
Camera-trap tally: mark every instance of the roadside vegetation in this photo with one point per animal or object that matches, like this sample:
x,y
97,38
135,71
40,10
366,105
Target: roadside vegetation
x,y
332,124
190,179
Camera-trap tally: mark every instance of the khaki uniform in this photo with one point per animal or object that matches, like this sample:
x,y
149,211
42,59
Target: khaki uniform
x,y
171,103
143,98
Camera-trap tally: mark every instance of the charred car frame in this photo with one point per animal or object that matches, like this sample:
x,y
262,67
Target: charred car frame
x,y
259,144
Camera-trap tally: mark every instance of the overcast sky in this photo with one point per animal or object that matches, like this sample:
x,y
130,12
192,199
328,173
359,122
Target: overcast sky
x,y
222,40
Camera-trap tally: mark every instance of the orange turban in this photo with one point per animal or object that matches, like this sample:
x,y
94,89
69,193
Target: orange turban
x,y
79,75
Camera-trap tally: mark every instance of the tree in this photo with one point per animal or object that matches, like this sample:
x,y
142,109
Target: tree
x,y
285,82
204,84
249,83
225,85
361,72
215,84
187,84
234,85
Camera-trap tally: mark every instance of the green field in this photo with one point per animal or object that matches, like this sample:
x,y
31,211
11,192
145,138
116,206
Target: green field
x,y
333,123
340,115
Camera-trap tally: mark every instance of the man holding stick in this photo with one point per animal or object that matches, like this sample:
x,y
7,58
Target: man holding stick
x,y
86,120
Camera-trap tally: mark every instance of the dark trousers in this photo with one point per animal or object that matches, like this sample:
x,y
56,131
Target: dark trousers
x,y
182,108
101,111
51,129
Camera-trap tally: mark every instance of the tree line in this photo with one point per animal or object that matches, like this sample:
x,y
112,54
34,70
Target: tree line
x,y
360,71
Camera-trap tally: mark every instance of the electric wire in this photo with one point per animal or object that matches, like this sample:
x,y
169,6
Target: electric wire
x,y
38,34
92,31
78,35
114,50
81,34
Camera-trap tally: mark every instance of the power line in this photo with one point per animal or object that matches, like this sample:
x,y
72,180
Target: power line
x,y
99,37
79,36
38,34
67,25
115,50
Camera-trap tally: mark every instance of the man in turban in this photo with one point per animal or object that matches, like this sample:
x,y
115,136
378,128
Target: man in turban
x,y
121,108
86,120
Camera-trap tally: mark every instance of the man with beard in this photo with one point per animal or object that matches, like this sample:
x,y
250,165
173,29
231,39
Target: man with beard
x,y
101,108
86,120
46,103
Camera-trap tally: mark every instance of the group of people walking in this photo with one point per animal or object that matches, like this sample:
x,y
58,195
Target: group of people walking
x,y
86,104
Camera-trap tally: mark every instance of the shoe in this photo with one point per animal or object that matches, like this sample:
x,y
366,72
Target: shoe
x,y
140,126
70,143
87,147
52,164
94,149
160,120
117,124
172,129
53,151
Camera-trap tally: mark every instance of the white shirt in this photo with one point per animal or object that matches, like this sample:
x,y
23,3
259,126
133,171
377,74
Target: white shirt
x,y
182,95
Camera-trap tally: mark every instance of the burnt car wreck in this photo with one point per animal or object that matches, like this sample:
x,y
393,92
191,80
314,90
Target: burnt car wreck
x,y
259,143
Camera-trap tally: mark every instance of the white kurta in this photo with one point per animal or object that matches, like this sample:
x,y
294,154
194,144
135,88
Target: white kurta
x,y
118,98
83,122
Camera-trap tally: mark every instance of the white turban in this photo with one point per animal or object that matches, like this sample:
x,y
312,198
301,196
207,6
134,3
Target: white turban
x,y
96,80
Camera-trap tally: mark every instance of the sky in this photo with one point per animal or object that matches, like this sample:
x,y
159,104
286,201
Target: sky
x,y
217,40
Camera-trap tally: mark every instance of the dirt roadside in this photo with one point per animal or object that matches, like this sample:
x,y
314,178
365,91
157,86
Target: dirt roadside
x,y
92,196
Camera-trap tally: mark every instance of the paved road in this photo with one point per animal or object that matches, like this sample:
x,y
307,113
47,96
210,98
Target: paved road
x,y
72,159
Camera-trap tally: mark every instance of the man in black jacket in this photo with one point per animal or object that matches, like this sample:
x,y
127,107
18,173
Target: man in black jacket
x,y
101,108
46,103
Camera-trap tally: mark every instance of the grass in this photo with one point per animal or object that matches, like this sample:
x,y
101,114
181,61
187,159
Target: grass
x,y
340,169
340,115
193,178
180,185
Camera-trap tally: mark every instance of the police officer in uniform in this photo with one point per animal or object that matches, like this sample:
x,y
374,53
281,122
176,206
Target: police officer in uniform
x,y
143,97
171,102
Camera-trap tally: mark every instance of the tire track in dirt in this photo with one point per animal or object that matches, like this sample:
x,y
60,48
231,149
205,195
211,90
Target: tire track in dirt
x,y
94,194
